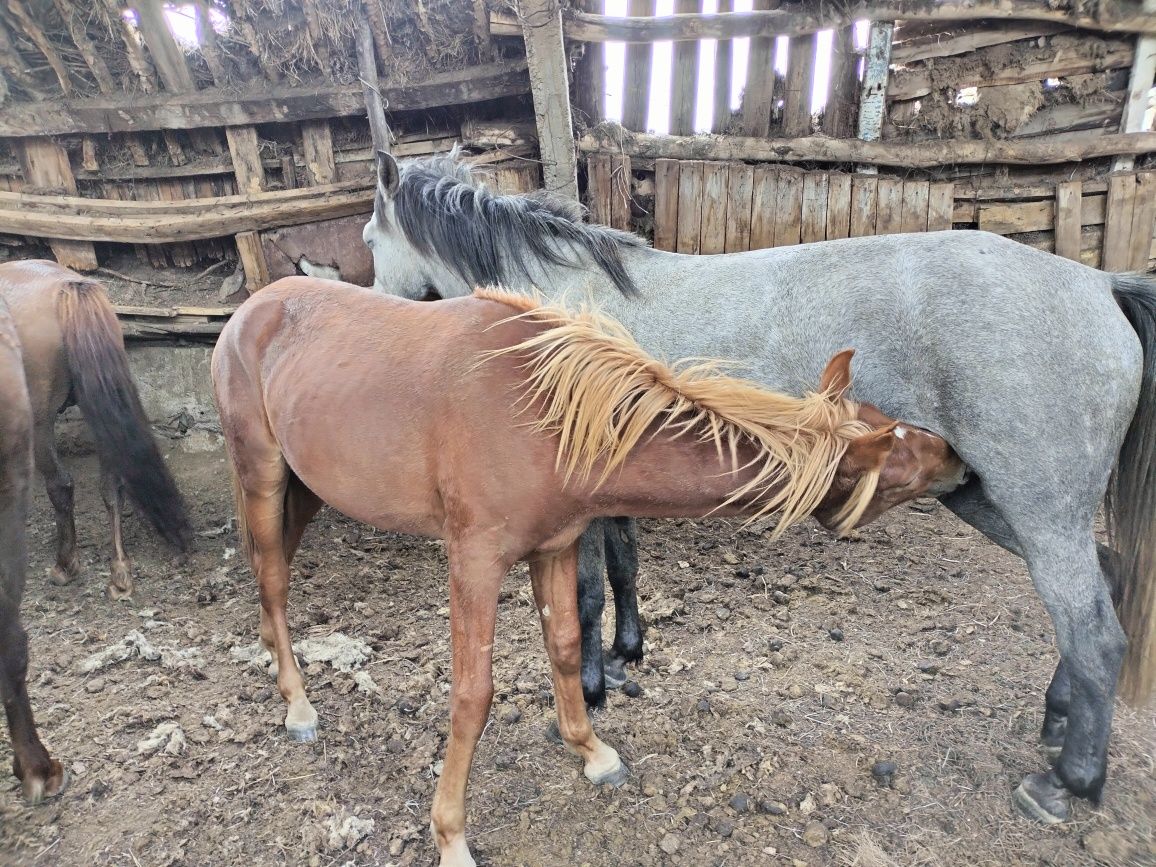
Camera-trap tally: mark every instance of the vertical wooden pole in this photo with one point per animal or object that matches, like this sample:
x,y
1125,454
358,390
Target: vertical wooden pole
x,y
758,96
317,143
45,164
245,151
1139,84
1118,219
1069,201
666,173
873,93
590,74
636,100
740,189
546,58
839,115
800,82
723,70
252,256
370,83
167,55
684,91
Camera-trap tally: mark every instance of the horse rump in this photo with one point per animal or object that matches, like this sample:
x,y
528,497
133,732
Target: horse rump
x,y
104,390
1131,501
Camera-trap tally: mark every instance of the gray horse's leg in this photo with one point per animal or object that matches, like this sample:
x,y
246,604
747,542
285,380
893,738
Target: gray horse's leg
x,y
622,571
591,602
971,504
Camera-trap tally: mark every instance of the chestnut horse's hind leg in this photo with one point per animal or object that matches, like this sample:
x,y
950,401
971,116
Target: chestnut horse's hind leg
x,y
262,481
476,573
59,485
555,592
112,490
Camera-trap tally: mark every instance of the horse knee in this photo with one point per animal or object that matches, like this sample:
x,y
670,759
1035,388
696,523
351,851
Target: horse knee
x,y
564,644
469,707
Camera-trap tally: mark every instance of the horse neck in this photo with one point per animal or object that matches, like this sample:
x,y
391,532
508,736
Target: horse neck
x,y
647,268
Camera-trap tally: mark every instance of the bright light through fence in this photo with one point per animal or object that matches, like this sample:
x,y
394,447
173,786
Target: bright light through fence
x,y
662,62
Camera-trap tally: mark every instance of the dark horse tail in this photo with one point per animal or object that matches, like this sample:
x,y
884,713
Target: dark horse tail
x,y
104,389
1131,501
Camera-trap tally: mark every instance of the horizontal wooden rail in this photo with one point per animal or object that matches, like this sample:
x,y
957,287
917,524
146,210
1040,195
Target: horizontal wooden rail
x,y
188,220
211,108
922,155
589,27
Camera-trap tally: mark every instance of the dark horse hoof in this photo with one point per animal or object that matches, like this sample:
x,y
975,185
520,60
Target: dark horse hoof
x,y
614,671
1042,797
553,734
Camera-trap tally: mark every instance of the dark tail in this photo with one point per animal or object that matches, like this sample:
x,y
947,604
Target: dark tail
x,y
108,398
1131,501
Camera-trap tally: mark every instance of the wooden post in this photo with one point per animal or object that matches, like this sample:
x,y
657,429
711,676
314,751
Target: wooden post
x,y
873,93
758,97
317,140
590,74
1069,198
1139,84
723,65
839,114
45,164
168,57
546,59
685,86
800,82
636,100
666,180
252,257
370,82
245,151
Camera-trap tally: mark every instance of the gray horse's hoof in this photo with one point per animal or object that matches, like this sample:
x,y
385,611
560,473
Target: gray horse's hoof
x,y
1042,797
614,779
613,671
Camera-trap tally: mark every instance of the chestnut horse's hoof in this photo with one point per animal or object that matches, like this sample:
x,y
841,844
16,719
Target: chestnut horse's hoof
x,y
301,721
1044,798
613,779
456,854
120,583
61,576
37,789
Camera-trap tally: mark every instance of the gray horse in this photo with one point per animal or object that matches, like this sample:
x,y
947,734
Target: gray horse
x,y
1039,371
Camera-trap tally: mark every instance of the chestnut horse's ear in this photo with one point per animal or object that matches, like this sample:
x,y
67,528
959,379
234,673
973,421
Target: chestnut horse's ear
x,y
869,451
837,377
388,174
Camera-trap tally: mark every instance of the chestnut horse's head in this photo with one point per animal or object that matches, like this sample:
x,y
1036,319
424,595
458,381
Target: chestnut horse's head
x,y
911,462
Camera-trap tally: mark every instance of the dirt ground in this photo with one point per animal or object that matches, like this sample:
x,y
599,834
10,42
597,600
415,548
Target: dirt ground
x,y
777,676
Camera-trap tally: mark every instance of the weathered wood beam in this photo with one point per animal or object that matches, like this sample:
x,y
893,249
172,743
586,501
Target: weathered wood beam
x,y
36,34
245,150
937,45
85,46
1139,85
167,55
546,58
214,108
370,81
1035,151
588,27
759,93
15,67
207,38
252,256
174,221
873,95
723,70
801,63
843,95
135,51
45,164
317,144
589,78
684,89
636,100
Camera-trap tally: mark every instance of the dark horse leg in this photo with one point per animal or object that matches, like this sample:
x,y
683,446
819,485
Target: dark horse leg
x,y
971,504
622,571
112,490
591,602
59,485
40,776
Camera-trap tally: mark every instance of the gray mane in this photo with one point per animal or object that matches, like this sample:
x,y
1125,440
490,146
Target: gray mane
x,y
443,212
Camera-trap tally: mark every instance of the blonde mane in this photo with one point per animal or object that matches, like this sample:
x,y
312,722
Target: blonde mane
x,y
602,394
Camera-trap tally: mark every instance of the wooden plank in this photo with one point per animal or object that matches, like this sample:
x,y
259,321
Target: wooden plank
x,y
713,231
546,60
915,195
864,205
289,173
45,164
801,61
588,27
367,71
843,92
759,94
588,82
173,146
873,93
1045,150
723,71
684,91
666,179
689,206
764,206
838,206
814,207
1139,85
889,217
1011,217
244,148
88,160
940,199
167,56
938,45
1144,214
317,147
1067,210
257,103
639,57
788,209
1118,222
740,189
620,192
252,256
598,188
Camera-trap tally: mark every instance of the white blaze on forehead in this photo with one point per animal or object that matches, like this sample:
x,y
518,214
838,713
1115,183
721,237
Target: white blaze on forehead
x,y
900,431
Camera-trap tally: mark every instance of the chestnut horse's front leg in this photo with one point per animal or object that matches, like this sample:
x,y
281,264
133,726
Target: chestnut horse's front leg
x,y
555,578
476,573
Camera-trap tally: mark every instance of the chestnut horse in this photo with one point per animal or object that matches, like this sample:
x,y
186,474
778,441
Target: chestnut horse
x,y
503,428
73,351
40,776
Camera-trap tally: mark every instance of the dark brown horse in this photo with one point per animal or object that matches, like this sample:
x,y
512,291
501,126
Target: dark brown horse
x,y
504,428
73,351
40,776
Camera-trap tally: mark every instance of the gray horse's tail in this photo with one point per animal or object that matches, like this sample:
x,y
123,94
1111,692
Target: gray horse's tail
x,y
1131,501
